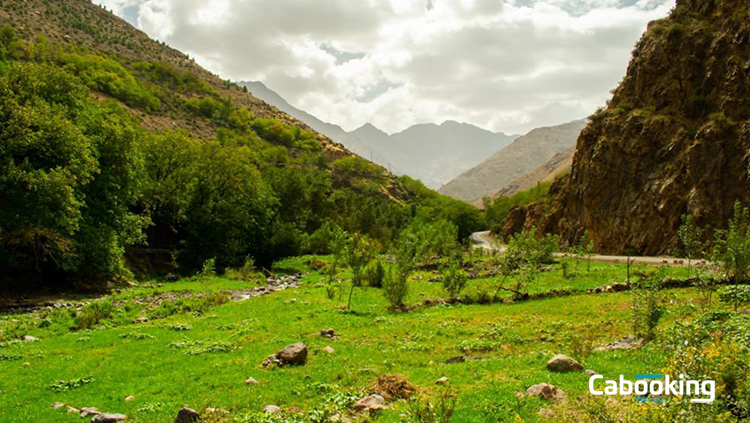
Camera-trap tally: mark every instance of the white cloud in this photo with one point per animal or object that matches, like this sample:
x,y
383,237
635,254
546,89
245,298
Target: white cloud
x,y
507,65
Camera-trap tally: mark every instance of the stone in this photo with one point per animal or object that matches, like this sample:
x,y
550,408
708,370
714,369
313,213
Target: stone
x,y
627,343
251,381
72,409
187,415
142,319
89,411
370,403
442,381
329,350
547,413
590,372
293,354
108,418
457,359
57,405
129,398
562,363
29,338
546,392
272,409
328,333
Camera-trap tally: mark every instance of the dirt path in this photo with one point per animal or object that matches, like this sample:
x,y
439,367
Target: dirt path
x,y
486,241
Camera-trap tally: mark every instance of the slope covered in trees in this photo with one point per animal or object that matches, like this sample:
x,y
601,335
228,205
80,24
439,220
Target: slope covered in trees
x,y
119,154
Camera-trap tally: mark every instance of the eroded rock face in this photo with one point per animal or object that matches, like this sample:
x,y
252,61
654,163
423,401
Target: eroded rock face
x,y
674,139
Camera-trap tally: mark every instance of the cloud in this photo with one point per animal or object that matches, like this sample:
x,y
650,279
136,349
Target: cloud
x,y
506,65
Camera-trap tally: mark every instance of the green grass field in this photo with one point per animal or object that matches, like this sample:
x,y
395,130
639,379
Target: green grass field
x,y
200,356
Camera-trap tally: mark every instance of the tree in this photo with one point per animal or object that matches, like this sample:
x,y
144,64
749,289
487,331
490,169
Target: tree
x,y
732,245
585,248
646,304
337,246
358,254
690,237
454,278
523,257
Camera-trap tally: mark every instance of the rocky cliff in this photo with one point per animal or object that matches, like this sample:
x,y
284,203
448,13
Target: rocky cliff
x,y
674,138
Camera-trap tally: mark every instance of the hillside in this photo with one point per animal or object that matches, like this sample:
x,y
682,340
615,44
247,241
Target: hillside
x,y
334,132
432,153
557,165
673,139
122,157
522,156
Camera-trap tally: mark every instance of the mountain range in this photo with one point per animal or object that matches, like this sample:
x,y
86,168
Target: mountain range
x,y
434,154
508,164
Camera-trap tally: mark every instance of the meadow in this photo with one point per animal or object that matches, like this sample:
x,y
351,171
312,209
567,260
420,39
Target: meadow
x,y
199,348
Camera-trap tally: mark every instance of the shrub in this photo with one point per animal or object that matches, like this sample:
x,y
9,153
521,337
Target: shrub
x,y
93,313
374,274
647,309
422,409
735,294
208,270
732,245
690,237
395,286
358,253
454,278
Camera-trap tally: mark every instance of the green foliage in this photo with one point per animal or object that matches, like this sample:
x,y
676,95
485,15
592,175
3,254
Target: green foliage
x,y
93,313
67,385
732,245
690,237
375,273
524,255
735,295
646,303
440,409
395,286
358,253
584,249
209,269
454,278
496,211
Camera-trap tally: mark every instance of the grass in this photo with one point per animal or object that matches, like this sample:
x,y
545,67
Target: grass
x,y
201,359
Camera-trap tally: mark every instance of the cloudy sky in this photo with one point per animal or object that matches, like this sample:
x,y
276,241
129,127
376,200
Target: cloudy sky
x,y
504,65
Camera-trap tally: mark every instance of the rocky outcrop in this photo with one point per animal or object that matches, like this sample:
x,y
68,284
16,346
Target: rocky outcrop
x,y
674,139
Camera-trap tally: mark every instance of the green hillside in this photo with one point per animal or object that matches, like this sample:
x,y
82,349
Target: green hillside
x,y
121,155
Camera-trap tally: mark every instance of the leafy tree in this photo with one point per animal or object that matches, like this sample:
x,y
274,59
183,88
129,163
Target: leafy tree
x,y
358,254
646,303
395,286
732,245
523,257
375,273
585,248
690,237
454,278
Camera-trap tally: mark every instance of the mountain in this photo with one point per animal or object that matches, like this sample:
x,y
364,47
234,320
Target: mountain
x,y
523,155
673,139
555,167
434,153
334,132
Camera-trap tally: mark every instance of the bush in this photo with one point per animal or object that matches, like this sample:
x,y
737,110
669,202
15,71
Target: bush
x,y
93,313
454,278
735,294
647,308
732,246
395,287
374,274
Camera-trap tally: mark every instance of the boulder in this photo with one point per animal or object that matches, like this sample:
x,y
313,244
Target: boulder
x,y
293,354
108,418
562,363
546,392
187,415
370,403
272,409
89,411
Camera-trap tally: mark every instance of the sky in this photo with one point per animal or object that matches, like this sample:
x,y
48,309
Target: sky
x,y
504,65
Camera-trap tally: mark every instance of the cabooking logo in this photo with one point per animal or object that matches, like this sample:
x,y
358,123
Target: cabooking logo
x,y
653,388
